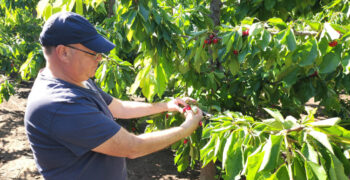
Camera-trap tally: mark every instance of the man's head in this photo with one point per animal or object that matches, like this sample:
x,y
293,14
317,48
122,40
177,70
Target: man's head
x,y
72,47
66,28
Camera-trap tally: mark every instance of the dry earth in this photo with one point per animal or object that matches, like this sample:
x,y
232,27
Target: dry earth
x,y
16,160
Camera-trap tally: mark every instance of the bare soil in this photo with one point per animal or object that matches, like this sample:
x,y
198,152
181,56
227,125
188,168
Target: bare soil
x,y
16,159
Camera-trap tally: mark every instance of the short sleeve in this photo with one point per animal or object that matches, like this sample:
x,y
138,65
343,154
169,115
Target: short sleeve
x,y
106,97
81,126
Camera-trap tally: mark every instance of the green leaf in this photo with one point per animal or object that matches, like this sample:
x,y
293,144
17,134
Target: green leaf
x,y
131,17
338,169
318,170
70,6
247,21
314,25
277,22
79,7
269,4
275,114
272,153
229,144
266,39
253,163
130,34
144,12
337,132
198,33
313,54
234,162
290,76
340,155
340,28
197,57
330,63
274,124
233,66
148,87
280,174
256,28
346,65
289,39
209,147
326,123
156,16
228,40
140,76
47,12
242,55
309,152
298,169
40,8
331,32
161,79
290,122
322,138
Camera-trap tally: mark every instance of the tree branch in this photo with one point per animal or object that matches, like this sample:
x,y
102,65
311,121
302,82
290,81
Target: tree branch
x,y
297,33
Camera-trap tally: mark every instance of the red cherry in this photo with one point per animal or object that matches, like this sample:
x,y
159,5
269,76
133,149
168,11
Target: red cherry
x,y
314,74
333,43
186,108
215,41
133,129
11,64
246,33
211,36
235,52
167,116
200,123
206,41
185,141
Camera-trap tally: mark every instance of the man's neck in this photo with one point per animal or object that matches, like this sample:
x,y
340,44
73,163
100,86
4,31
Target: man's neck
x,y
50,73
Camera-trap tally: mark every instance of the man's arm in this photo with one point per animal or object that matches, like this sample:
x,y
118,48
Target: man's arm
x,y
125,144
131,109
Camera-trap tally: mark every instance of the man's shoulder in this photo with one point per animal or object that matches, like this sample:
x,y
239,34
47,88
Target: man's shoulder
x,y
55,90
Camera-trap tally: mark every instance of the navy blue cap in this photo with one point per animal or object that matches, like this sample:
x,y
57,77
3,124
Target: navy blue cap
x,y
65,28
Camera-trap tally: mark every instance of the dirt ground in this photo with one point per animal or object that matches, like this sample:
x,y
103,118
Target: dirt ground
x,y
16,160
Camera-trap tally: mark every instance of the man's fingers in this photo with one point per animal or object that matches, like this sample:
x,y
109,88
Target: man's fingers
x,y
189,100
185,101
181,101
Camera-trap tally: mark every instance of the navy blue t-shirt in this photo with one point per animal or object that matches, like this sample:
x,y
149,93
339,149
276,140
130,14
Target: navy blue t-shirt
x,y
64,122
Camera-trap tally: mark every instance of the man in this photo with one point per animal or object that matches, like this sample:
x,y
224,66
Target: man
x,y
70,121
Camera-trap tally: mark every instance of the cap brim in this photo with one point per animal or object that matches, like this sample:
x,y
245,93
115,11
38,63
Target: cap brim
x,y
99,44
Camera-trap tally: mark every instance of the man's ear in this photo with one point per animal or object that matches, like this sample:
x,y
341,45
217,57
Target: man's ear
x,y
63,53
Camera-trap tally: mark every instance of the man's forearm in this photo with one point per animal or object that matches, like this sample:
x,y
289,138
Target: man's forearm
x,y
131,109
155,141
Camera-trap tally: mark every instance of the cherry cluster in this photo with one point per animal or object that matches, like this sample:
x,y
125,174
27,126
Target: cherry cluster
x,y
333,43
245,33
212,39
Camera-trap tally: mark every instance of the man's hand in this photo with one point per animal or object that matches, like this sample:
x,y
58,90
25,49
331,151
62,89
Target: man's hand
x,y
193,117
176,104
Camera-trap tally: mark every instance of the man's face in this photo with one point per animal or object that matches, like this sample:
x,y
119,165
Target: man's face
x,y
83,65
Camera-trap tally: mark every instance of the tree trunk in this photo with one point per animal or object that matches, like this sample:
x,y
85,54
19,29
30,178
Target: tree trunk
x,y
215,6
208,172
110,8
